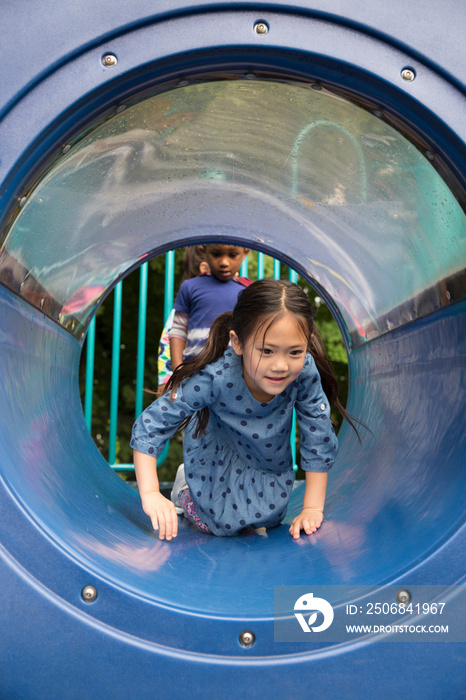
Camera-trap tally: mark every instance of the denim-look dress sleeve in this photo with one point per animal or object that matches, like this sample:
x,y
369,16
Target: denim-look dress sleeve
x,y
160,421
319,444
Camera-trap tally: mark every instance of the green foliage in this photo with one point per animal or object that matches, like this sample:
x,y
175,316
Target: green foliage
x,y
333,342
155,322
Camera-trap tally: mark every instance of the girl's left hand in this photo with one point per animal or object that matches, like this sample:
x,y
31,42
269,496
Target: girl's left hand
x,y
309,520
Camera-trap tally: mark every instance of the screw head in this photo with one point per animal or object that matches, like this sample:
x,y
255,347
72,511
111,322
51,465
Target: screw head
x,y
88,594
246,639
403,597
261,28
408,74
109,60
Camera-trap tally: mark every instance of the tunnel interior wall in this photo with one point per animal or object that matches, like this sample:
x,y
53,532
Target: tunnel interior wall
x,y
392,500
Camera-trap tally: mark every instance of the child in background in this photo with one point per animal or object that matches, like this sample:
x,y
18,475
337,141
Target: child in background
x,y
194,264
237,454
201,299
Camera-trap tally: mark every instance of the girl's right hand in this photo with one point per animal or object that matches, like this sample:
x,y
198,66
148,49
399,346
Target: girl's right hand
x,y
162,513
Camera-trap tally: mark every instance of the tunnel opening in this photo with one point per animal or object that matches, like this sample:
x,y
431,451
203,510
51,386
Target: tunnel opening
x,y
349,203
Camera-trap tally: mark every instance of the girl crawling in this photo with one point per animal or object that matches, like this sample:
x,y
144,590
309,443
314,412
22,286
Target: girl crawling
x,y
236,402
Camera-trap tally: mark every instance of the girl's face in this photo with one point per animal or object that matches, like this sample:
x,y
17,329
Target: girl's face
x,y
270,364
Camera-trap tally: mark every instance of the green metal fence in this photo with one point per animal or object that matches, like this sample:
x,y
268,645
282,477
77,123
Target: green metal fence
x,y
118,296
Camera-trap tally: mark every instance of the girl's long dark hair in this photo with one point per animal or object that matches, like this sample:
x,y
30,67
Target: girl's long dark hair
x,y
257,308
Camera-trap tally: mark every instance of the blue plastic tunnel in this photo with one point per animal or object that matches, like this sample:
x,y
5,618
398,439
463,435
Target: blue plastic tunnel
x,y
332,139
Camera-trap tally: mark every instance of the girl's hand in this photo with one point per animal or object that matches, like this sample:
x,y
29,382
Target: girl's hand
x,y
309,520
162,513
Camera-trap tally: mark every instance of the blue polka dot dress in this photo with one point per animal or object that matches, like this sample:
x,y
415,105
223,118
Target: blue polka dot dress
x,y
240,472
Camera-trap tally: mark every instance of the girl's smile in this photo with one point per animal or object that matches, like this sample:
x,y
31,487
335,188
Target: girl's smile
x,y
276,380
273,361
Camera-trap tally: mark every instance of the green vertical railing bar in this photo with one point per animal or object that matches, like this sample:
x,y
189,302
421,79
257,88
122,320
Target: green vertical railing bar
x,y
89,388
293,441
293,277
244,269
276,269
141,354
169,284
260,266
168,305
117,305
